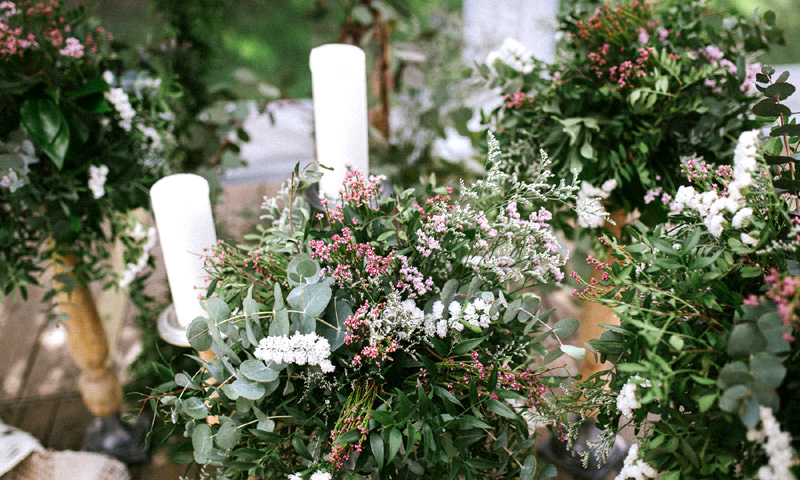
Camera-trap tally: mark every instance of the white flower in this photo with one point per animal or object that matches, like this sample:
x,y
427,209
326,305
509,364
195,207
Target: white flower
x,y
454,309
742,217
97,180
320,475
454,147
626,400
295,476
776,444
635,468
300,349
122,105
513,54
748,240
714,224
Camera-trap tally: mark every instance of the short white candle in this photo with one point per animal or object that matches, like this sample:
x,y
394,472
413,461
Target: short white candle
x,y
185,224
339,83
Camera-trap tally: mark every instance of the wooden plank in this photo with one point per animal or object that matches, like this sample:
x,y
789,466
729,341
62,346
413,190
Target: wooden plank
x,y
37,418
20,323
69,424
53,371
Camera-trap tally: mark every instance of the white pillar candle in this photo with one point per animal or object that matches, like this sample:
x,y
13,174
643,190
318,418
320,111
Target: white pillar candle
x,y
339,84
185,224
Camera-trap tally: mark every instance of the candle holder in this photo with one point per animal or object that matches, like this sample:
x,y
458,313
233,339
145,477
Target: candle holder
x,y
170,330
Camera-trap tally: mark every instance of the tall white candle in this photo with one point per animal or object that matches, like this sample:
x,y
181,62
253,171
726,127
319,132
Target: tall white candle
x,y
182,211
339,84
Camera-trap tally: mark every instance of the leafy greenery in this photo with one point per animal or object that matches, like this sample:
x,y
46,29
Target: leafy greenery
x,y
709,318
418,335
637,87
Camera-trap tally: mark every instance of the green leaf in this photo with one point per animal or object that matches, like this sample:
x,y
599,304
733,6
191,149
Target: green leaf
x,y
195,408
247,389
279,326
512,310
197,334
333,329
552,355
376,443
705,402
395,440
750,414
780,90
185,380
300,447
791,130
228,435
468,421
47,127
767,369
731,398
217,309
302,269
745,339
257,371
350,436
467,345
566,327
448,292
310,299
549,471
578,353
501,409
202,442
528,469
769,108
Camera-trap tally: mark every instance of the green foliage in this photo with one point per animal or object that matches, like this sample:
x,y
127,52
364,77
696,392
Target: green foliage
x,y
636,87
709,316
348,341
82,137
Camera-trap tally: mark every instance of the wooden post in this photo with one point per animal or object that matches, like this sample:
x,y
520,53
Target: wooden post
x,y
87,342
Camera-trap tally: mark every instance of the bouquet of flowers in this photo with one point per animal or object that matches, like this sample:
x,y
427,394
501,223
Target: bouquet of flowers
x,y
636,85
706,358
80,142
387,335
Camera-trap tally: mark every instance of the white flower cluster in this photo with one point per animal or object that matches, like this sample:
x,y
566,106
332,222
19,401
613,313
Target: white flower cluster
x,y
474,314
299,349
591,213
777,445
318,475
132,270
97,180
626,400
513,54
712,206
122,105
634,467
400,318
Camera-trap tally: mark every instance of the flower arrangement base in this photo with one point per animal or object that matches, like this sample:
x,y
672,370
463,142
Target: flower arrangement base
x,y
555,451
122,440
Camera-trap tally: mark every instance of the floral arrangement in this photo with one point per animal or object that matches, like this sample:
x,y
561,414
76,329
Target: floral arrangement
x,y
636,85
706,358
387,335
80,142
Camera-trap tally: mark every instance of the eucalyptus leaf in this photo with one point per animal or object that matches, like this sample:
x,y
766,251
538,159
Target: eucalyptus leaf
x,y
228,435
566,327
311,299
578,353
247,389
217,309
258,372
202,442
195,408
279,325
197,334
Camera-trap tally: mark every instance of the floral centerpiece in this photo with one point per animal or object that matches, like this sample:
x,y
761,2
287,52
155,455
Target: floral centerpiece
x,y
80,142
387,335
636,85
706,358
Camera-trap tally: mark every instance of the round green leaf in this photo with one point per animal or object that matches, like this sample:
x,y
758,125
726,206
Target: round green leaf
x,y
247,389
769,108
228,435
745,339
217,309
202,442
566,327
195,408
781,90
258,372
197,334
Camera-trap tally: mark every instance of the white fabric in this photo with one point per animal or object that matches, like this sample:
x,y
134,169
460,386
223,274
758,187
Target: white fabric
x,y
15,446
